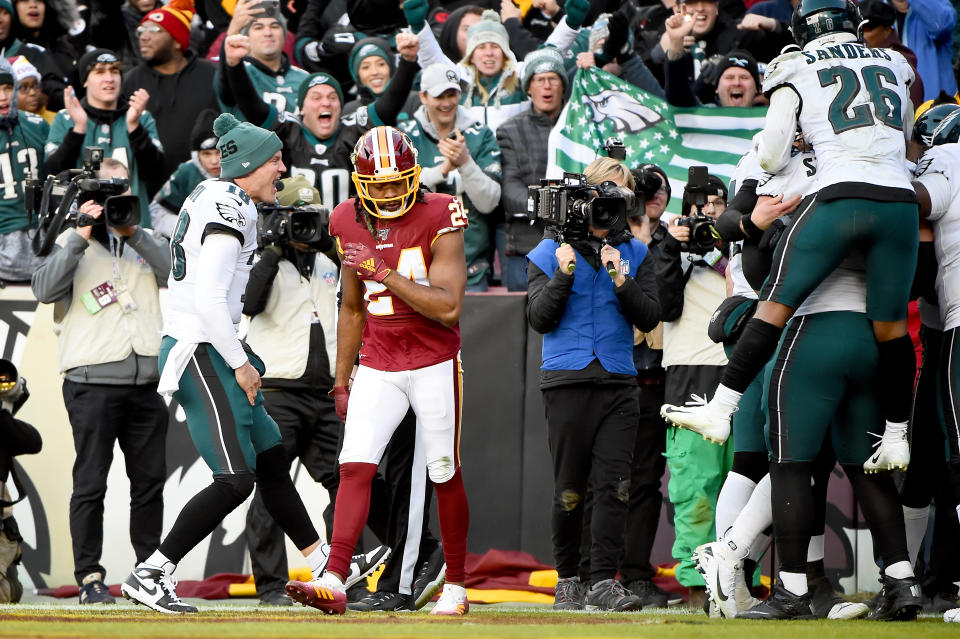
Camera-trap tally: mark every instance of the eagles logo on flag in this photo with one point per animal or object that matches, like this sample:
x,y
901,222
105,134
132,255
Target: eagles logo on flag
x,y
602,106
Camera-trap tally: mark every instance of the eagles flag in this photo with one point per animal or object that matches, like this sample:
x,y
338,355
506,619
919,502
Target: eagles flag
x,y
602,106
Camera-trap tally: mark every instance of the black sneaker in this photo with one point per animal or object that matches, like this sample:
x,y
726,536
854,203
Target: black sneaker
x,y
155,589
365,564
609,594
275,598
781,604
900,600
569,594
650,595
383,601
94,591
431,575
827,604
941,602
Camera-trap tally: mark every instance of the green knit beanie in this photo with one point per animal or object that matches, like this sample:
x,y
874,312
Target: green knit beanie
x,y
243,146
366,48
316,80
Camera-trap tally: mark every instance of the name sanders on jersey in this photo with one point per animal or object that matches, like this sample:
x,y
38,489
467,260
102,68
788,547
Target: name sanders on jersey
x,y
846,50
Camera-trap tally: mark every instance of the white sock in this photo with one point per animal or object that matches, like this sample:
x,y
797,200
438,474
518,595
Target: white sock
x,y
795,582
915,521
333,578
755,517
158,560
317,559
725,399
958,511
899,570
734,495
815,548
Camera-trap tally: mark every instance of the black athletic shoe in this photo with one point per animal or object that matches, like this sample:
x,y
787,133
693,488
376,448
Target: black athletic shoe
x,y
431,575
382,601
275,598
781,604
900,600
651,596
827,604
569,594
154,589
365,564
94,591
609,594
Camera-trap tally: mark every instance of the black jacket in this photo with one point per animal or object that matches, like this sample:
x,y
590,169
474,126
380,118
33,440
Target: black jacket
x,y
175,102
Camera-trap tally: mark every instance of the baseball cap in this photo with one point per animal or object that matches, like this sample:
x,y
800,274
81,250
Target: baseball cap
x,y
876,13
438,78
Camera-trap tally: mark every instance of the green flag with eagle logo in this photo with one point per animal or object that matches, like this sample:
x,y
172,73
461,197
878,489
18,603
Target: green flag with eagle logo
x,y
603,106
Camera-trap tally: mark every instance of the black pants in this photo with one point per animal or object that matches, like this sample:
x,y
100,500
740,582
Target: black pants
x,y
311,432
646,472
136,418
592,433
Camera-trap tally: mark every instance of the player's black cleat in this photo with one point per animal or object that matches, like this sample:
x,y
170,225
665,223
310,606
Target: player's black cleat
x,y
899,600
155,589
782,604
383,601
430,577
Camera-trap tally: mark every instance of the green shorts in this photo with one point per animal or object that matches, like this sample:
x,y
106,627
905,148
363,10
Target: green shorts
x,y
228,432
822,382
825,233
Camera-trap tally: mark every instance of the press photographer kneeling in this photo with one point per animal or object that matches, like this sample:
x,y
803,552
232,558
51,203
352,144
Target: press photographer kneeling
x,y
587,289
102,272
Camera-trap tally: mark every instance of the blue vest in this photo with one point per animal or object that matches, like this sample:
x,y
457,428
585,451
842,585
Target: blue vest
x,y
593,324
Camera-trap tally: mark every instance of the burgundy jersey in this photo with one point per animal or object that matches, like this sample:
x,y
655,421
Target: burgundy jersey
x,y
395,336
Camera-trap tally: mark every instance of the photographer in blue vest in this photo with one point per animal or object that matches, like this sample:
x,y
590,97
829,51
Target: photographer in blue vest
x,y
590,283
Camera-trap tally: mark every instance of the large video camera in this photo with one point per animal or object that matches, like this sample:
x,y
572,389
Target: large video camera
x,y
570,205
54,201
13,388
703,230
281,225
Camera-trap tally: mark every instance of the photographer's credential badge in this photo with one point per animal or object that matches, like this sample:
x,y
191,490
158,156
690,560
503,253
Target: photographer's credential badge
x,y
99,297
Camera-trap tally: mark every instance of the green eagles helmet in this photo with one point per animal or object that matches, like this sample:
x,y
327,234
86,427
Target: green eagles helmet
x,y
926,124
815,18
948,131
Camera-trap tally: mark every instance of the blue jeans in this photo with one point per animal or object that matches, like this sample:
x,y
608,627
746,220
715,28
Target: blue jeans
x,y
515,273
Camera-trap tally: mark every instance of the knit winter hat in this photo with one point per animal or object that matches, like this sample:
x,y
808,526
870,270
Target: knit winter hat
x,y
6,4
315,80
243,146
742,59
544,60
202,137
487,29
364,49
175,18
91,59
23,69
7,77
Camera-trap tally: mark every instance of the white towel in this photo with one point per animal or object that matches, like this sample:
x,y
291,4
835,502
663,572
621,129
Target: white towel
x,y
177,360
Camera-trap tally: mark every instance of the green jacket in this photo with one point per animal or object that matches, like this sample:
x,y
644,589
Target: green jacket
x,y
22,153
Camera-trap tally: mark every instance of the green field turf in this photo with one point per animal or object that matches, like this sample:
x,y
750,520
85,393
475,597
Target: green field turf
x,y
494,622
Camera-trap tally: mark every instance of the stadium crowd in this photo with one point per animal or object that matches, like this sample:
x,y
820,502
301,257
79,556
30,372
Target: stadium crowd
x,y
471,90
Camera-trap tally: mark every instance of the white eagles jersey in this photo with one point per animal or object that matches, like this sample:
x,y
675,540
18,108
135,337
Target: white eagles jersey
x,y
798,177
215,206
937,171
855,108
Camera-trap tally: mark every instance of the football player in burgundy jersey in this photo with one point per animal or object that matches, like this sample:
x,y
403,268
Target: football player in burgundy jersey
x,y
403,280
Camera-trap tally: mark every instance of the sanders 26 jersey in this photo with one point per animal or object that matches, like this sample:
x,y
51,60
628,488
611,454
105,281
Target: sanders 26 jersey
x,y
215,206
395,336
854,106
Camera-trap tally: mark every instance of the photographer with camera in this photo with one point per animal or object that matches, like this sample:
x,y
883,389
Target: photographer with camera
x,y
16,438
29,132
104,281
122,127
585,297
691,281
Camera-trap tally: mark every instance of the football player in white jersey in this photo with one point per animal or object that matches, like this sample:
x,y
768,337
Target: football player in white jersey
x,y
938,190
851,103
208,371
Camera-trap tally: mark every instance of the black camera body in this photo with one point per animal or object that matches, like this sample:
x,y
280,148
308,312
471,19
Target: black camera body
x,y
267,9
615,149
281,225
52,201
703,230
571,205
